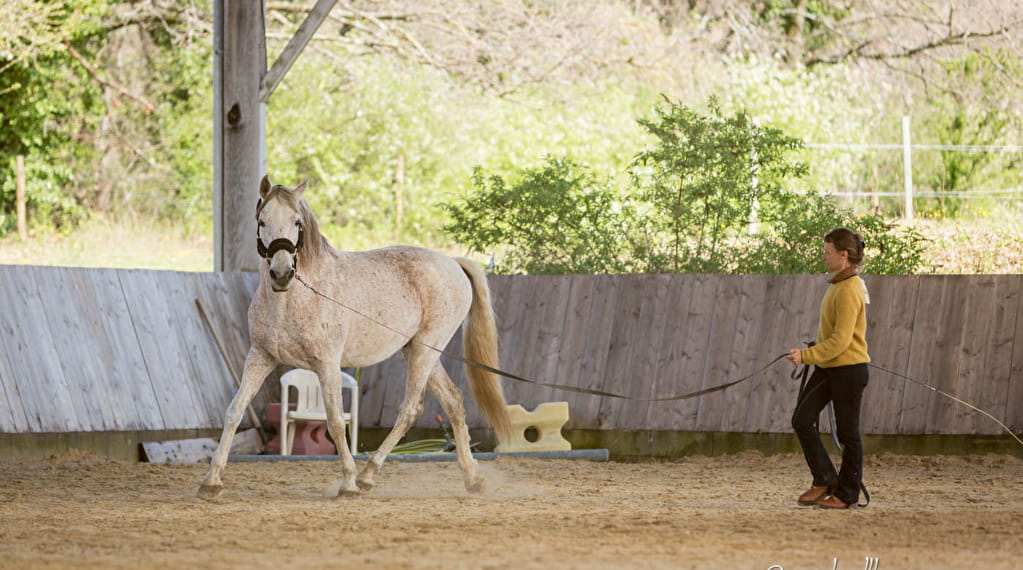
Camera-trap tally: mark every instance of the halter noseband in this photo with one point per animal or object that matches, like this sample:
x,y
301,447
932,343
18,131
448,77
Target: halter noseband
x,y
279,244
266,252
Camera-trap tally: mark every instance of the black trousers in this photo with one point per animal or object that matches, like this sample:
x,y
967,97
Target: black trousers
x,y
844,386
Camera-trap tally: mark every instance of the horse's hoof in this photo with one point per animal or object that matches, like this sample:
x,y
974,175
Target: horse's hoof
x,y
365,485
348,493
476,487
208,492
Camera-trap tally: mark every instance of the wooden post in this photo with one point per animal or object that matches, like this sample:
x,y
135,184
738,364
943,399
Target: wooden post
x,y
907,170
19,200
399,194
239,119
295,46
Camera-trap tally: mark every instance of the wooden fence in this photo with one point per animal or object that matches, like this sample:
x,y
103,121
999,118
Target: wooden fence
x,y
648,336
85,350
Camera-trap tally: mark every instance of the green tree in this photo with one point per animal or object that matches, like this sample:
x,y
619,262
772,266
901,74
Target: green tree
x,y
707,177
37,101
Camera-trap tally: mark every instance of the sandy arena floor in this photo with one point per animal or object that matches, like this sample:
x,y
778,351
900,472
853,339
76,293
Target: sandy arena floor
x,y
77,511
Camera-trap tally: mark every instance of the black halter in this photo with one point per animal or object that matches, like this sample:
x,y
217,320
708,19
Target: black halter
x,y
279,244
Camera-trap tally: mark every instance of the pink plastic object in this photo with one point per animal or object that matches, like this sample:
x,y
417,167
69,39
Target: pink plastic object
x,y
310,436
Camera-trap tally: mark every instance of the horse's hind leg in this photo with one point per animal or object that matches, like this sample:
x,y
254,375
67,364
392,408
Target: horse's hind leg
x,y
420,363
257,365
330,385
451,400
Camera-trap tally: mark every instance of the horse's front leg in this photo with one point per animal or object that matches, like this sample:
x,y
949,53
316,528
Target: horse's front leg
x,y
419,365
333,400
257,365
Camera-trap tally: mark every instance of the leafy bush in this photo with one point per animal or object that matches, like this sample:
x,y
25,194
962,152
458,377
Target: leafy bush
x,y
557,218
708,196
705,178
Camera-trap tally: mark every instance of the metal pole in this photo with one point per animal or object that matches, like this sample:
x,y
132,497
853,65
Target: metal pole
x,y
907,169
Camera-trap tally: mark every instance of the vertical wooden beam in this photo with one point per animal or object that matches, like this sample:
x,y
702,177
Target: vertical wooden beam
x,y
239,130
19,198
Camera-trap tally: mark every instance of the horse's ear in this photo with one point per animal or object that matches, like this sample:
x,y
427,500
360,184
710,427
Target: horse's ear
x,y
264,186
299,189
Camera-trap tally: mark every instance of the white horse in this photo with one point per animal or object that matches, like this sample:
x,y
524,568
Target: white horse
x,y
396,298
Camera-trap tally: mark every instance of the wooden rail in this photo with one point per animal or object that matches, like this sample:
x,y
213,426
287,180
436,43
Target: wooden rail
x,y
87,350
648,336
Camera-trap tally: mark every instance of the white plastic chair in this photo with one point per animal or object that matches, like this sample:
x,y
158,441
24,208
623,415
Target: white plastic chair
x,y
310,406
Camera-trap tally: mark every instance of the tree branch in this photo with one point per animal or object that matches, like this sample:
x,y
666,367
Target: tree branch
x,y
147,107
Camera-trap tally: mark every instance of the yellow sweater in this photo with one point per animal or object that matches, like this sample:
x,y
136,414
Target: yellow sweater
x,y
843,325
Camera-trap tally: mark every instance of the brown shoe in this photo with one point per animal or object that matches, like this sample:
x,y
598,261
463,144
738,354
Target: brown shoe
x,y
814,494
833,502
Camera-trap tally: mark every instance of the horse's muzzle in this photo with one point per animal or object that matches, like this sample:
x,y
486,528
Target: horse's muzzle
x,y
280,281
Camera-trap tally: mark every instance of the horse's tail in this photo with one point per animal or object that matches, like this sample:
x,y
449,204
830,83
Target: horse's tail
x,y
480,344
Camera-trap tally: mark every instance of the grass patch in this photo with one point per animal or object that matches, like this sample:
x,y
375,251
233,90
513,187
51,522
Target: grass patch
x,y
980,245
104,242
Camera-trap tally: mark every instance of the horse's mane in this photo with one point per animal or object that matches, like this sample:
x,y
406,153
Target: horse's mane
x,y
314,240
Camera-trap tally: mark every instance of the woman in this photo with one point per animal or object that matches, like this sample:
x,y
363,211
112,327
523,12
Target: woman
x,y
840,376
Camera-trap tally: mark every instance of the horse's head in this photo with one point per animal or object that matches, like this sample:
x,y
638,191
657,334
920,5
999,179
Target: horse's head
x,y
280,234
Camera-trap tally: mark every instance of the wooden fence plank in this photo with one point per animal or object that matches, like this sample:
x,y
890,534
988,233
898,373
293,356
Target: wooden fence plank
x,y
12,411
104,298
166,358
699,314
930,360
801,310
98,406
993,387
979,330
722,331
207,372
573,358
890,324
751,297
770,335
915,399
625,338
100,364
639,379
535,301
201,392
673,354
593,369
1014,399
512,330
552,307
947,353
46,397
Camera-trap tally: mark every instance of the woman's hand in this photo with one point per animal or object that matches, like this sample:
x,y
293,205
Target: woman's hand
x,y
794,356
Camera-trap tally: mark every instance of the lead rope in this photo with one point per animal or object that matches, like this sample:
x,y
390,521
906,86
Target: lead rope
x,y
506,374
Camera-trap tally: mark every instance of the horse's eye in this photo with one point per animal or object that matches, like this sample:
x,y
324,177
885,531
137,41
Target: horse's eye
x,y
298,224
261,223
